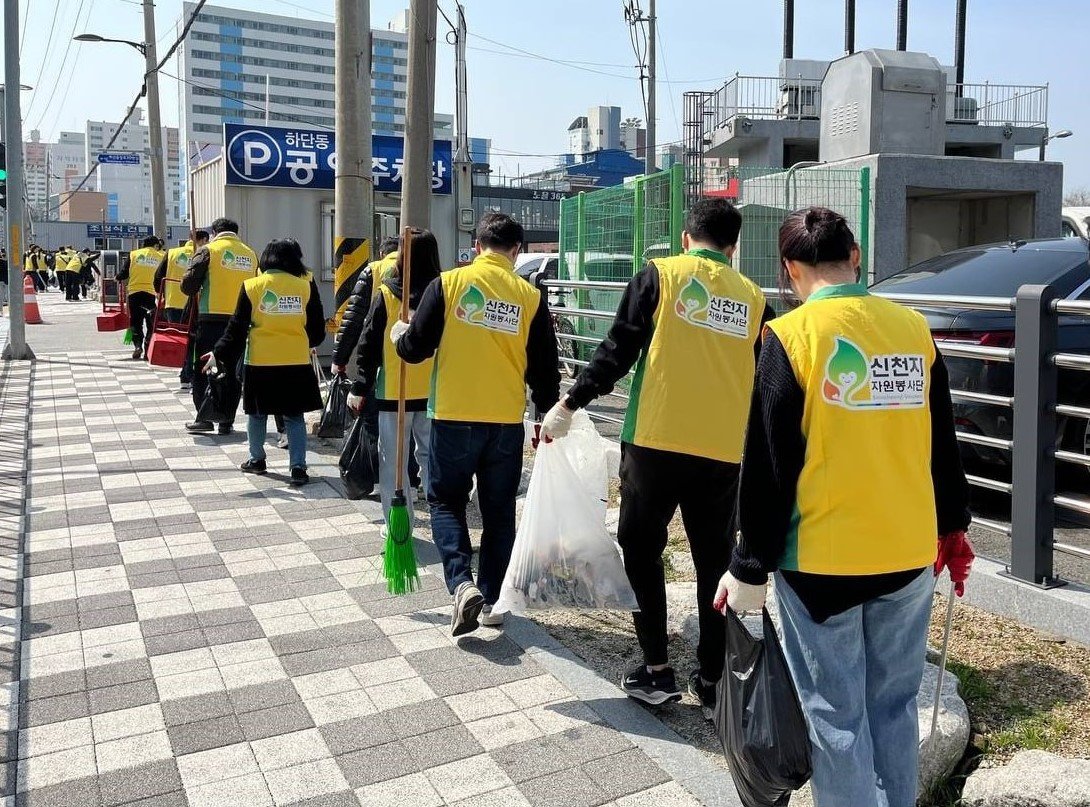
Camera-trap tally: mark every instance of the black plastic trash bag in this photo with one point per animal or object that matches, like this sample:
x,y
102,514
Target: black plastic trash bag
x,y
759,719
358,471
335,414
220,400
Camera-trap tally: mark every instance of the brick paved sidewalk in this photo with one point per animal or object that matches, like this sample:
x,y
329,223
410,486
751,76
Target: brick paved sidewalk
x,y
192,635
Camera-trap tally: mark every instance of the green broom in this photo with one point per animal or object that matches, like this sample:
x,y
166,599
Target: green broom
x,y
399,562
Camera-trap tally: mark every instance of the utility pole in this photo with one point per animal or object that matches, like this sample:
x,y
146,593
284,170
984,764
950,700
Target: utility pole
x,y
651,164
463,162
17,347
155,128
419,117
353,219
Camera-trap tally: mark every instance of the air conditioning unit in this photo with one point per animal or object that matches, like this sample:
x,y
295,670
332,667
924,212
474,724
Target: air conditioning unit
x,y
961,110
800,101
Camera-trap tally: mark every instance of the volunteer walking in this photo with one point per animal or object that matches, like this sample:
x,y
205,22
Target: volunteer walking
x,y
690,324
491,335
278,318
851,479
380,367
215,278
168,281
138,271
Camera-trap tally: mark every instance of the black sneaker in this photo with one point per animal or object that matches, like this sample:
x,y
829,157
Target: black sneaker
x,y
200,427
468,604
253,467
704,693
136,354
299,477
655,688
225,429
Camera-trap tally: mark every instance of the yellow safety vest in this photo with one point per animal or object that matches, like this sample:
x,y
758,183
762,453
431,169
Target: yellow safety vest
x,y
177,264
865,502
278,319
417,376
379,269
694,381
31,264
75,263
480,367
142,265
231,263
60,260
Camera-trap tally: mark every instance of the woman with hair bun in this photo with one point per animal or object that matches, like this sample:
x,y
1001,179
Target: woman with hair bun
x,y
853,495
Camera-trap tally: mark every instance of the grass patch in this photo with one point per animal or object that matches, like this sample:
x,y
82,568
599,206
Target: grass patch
x,y
1042,732
975,687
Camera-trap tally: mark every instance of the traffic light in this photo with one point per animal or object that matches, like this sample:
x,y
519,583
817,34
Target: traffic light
x,y
3,177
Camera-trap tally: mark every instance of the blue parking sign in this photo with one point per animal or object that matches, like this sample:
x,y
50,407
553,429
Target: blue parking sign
x,y
293,158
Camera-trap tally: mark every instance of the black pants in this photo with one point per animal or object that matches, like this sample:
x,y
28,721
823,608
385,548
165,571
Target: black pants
x,y
71,285
39,283
205,338
653,485
141,312
178,317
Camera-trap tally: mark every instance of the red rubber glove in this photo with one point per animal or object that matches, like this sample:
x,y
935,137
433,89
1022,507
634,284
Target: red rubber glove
x,y
955,554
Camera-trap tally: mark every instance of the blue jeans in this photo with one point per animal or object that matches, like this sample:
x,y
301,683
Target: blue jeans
x,y
257,428
418,426
492,452
857,675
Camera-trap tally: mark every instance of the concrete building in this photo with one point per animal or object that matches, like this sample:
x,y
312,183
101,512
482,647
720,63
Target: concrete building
x,y
81,206
235,63
128,187
52,168
602,129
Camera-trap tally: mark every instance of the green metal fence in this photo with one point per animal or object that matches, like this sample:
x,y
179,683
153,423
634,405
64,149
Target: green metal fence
x,y
608,234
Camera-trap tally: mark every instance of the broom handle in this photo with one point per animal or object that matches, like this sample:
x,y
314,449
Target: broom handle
x,y
406,276
942,660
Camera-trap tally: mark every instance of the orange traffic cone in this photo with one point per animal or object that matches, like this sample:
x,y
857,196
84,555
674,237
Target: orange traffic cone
x,y
30,302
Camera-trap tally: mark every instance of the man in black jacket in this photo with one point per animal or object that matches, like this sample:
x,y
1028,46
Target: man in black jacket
x,y
348,335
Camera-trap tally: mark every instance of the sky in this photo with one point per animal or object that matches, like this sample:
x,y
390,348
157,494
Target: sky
x,y
533,67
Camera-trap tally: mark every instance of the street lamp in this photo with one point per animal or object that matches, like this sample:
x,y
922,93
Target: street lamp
x,y
1060,135
155,129
140,46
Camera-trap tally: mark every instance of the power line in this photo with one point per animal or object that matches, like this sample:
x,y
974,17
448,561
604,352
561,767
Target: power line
x,y
141,94
60,72
666,70
72,74
45,57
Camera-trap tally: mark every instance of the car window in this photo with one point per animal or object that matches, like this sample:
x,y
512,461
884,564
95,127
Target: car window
x,y
986,272
1067,231
528,268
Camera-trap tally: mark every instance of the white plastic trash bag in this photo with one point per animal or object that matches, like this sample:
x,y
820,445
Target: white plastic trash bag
x,y
563,555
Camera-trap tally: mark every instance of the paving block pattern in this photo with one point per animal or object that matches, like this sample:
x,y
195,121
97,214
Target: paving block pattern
x,y
188,635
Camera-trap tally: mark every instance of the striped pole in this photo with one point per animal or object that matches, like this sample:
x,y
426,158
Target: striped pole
x,y
350,255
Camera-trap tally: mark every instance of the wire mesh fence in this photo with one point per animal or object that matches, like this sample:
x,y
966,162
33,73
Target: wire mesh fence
x,y
608,234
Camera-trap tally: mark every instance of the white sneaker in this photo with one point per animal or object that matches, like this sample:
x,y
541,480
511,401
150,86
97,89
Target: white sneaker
x,y
468,602
491,620
282,440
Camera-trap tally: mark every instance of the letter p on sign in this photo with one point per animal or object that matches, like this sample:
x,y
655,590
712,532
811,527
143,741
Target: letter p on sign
x,y
254,154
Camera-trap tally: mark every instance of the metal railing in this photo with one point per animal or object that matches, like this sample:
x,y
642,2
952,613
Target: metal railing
x,y
1037,414
798,98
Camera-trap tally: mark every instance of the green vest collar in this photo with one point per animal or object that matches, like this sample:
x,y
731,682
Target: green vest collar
x,y
711,255
840,290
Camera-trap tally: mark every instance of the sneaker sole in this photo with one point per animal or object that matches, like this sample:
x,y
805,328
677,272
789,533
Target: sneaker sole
x,y
709,712
467,619
254,472
658,699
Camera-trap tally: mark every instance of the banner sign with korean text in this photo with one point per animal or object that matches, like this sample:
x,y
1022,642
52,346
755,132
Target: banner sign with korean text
x,y
291,158
119,230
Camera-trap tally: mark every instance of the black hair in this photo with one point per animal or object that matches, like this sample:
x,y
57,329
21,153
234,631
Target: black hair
x,y
224,225
150,241
425,262
387,245
499,231
715,221
814,235
200,235
284,255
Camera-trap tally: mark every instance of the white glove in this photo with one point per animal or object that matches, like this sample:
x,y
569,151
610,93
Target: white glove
x,y
738,596
556,423
336,369
210,365
355,402
398,330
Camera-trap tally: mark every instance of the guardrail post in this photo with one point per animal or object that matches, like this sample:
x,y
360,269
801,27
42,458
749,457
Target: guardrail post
x,y
638,241
1033,464
677,207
